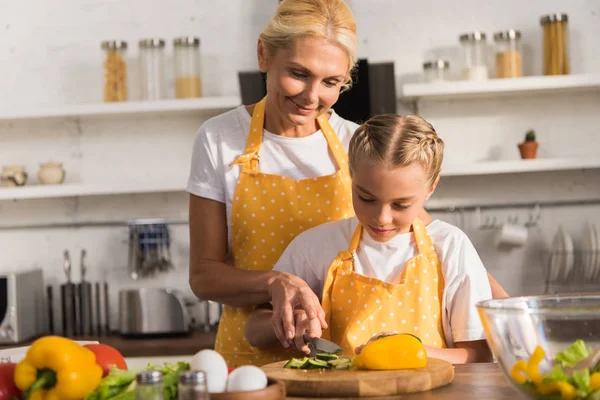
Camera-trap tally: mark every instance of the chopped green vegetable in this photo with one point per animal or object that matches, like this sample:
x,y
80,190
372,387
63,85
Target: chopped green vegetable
x,y
120,385
326,356
320,361
573,354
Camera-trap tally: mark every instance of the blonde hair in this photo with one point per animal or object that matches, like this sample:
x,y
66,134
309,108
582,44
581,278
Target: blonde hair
x,y
398,141
327,19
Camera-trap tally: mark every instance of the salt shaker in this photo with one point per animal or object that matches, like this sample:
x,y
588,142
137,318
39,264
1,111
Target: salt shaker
x,y
149,385
192,386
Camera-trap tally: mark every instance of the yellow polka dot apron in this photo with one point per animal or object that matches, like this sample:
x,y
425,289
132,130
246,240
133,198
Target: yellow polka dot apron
x,y
358,307
268,212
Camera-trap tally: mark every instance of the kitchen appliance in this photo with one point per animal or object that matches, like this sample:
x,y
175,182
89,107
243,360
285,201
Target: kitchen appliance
x,y
22,306
152,312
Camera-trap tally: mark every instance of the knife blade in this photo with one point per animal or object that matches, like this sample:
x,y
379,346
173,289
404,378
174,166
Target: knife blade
x,y
318,345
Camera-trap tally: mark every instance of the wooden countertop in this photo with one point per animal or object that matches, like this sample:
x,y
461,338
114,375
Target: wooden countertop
x,y
471,382
150,346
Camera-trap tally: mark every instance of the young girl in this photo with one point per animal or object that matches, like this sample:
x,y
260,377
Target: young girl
x,y
392,268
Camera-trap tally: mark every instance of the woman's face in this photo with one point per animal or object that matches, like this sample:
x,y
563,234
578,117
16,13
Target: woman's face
x,y
387,201
304,81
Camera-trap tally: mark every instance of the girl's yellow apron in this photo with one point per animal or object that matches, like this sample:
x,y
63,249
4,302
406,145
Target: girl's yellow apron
x,y
268,212
358,307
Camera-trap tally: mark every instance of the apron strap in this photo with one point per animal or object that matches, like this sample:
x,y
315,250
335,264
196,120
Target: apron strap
x,y
250,157
424,242
339,261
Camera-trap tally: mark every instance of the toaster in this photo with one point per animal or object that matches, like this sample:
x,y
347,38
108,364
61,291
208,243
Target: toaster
x,y
22,312
152,312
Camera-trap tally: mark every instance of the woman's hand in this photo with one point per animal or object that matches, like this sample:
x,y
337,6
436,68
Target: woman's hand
x,y
305,325
287,293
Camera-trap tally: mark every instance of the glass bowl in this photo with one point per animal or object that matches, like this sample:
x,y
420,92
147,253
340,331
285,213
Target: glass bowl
x,y
545,344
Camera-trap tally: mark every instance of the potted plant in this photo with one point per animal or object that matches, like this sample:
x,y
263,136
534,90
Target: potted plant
x,y
529,147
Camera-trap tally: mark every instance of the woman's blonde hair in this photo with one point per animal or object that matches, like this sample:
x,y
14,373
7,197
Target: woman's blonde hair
x,y
327,19
392,140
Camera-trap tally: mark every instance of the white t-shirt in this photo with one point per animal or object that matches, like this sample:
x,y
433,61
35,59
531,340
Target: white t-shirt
x,y
310,254
221,139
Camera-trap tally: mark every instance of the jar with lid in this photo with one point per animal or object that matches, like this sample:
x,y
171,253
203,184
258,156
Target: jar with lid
x,y
475,54
192,386
556,58
149,385
509,63
115,70
436,71
152,69
186,52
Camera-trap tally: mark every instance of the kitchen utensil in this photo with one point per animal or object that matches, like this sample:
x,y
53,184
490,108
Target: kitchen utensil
x,y
588,256
515,326
85,300
596,249
557,257
106,310
67,265
98,294
50,305
360,383
67,299
318,345
152,312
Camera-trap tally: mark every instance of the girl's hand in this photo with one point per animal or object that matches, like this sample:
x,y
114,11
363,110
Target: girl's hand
x,y
304,325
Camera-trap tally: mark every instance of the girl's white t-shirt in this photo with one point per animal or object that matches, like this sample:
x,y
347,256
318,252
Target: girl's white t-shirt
x,y
311,253
221,139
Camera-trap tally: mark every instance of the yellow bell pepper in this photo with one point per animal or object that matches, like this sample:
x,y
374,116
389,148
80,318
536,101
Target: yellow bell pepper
x,y
533,365
518,371
402,351
56,368
566,390
595,380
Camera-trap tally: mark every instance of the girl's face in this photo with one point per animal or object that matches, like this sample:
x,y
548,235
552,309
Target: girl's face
x,y
304,81
387,201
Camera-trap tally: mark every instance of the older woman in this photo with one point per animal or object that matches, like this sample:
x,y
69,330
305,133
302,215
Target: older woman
x,y
264,173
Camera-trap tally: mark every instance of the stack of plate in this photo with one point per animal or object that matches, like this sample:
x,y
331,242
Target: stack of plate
x,y
590,259
563,257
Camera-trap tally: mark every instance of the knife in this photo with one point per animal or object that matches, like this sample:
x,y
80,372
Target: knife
x,y
318,345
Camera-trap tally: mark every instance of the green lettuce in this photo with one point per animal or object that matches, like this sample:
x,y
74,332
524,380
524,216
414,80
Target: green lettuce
x,y
573,354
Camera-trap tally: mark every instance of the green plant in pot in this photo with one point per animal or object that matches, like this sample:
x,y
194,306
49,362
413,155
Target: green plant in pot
x,y
529,147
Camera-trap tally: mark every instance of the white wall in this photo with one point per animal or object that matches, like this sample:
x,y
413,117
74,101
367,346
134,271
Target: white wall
x,y
50,55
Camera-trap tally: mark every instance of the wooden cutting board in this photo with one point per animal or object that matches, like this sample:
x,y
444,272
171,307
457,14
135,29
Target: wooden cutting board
x,y
361,383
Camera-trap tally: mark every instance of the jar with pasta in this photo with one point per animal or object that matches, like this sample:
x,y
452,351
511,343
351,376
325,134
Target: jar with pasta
x,y
556,57
509,63
187,67
115,70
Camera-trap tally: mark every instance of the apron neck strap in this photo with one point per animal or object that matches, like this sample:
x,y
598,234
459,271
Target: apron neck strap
x,y
355,239
255,136
424,242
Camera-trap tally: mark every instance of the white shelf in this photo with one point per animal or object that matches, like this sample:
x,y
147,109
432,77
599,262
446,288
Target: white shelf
x,y
520,166
497,87
124,108
77,190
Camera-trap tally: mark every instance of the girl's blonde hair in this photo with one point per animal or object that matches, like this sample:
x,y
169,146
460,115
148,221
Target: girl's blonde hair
x,y
392,140
327,19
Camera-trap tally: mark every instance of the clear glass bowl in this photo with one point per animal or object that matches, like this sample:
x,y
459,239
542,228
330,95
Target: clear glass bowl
x,y
516,326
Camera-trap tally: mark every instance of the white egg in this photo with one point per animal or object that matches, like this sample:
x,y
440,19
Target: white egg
x,y
247,377
215,368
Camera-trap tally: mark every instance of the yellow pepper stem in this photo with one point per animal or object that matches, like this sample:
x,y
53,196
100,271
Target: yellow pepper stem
x,y
46,378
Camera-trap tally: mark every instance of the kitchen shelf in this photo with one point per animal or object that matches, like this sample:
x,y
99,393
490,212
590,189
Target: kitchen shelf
x,y
126,108
500,87
78,190
520,166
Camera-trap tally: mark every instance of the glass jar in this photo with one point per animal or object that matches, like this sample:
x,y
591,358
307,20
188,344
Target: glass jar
x,y
115,70
149,385
509,63
192,386
186,53
152,69
436,71
556,58
475,53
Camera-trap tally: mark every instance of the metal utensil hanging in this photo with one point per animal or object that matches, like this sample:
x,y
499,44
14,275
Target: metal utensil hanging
x,y
149,248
